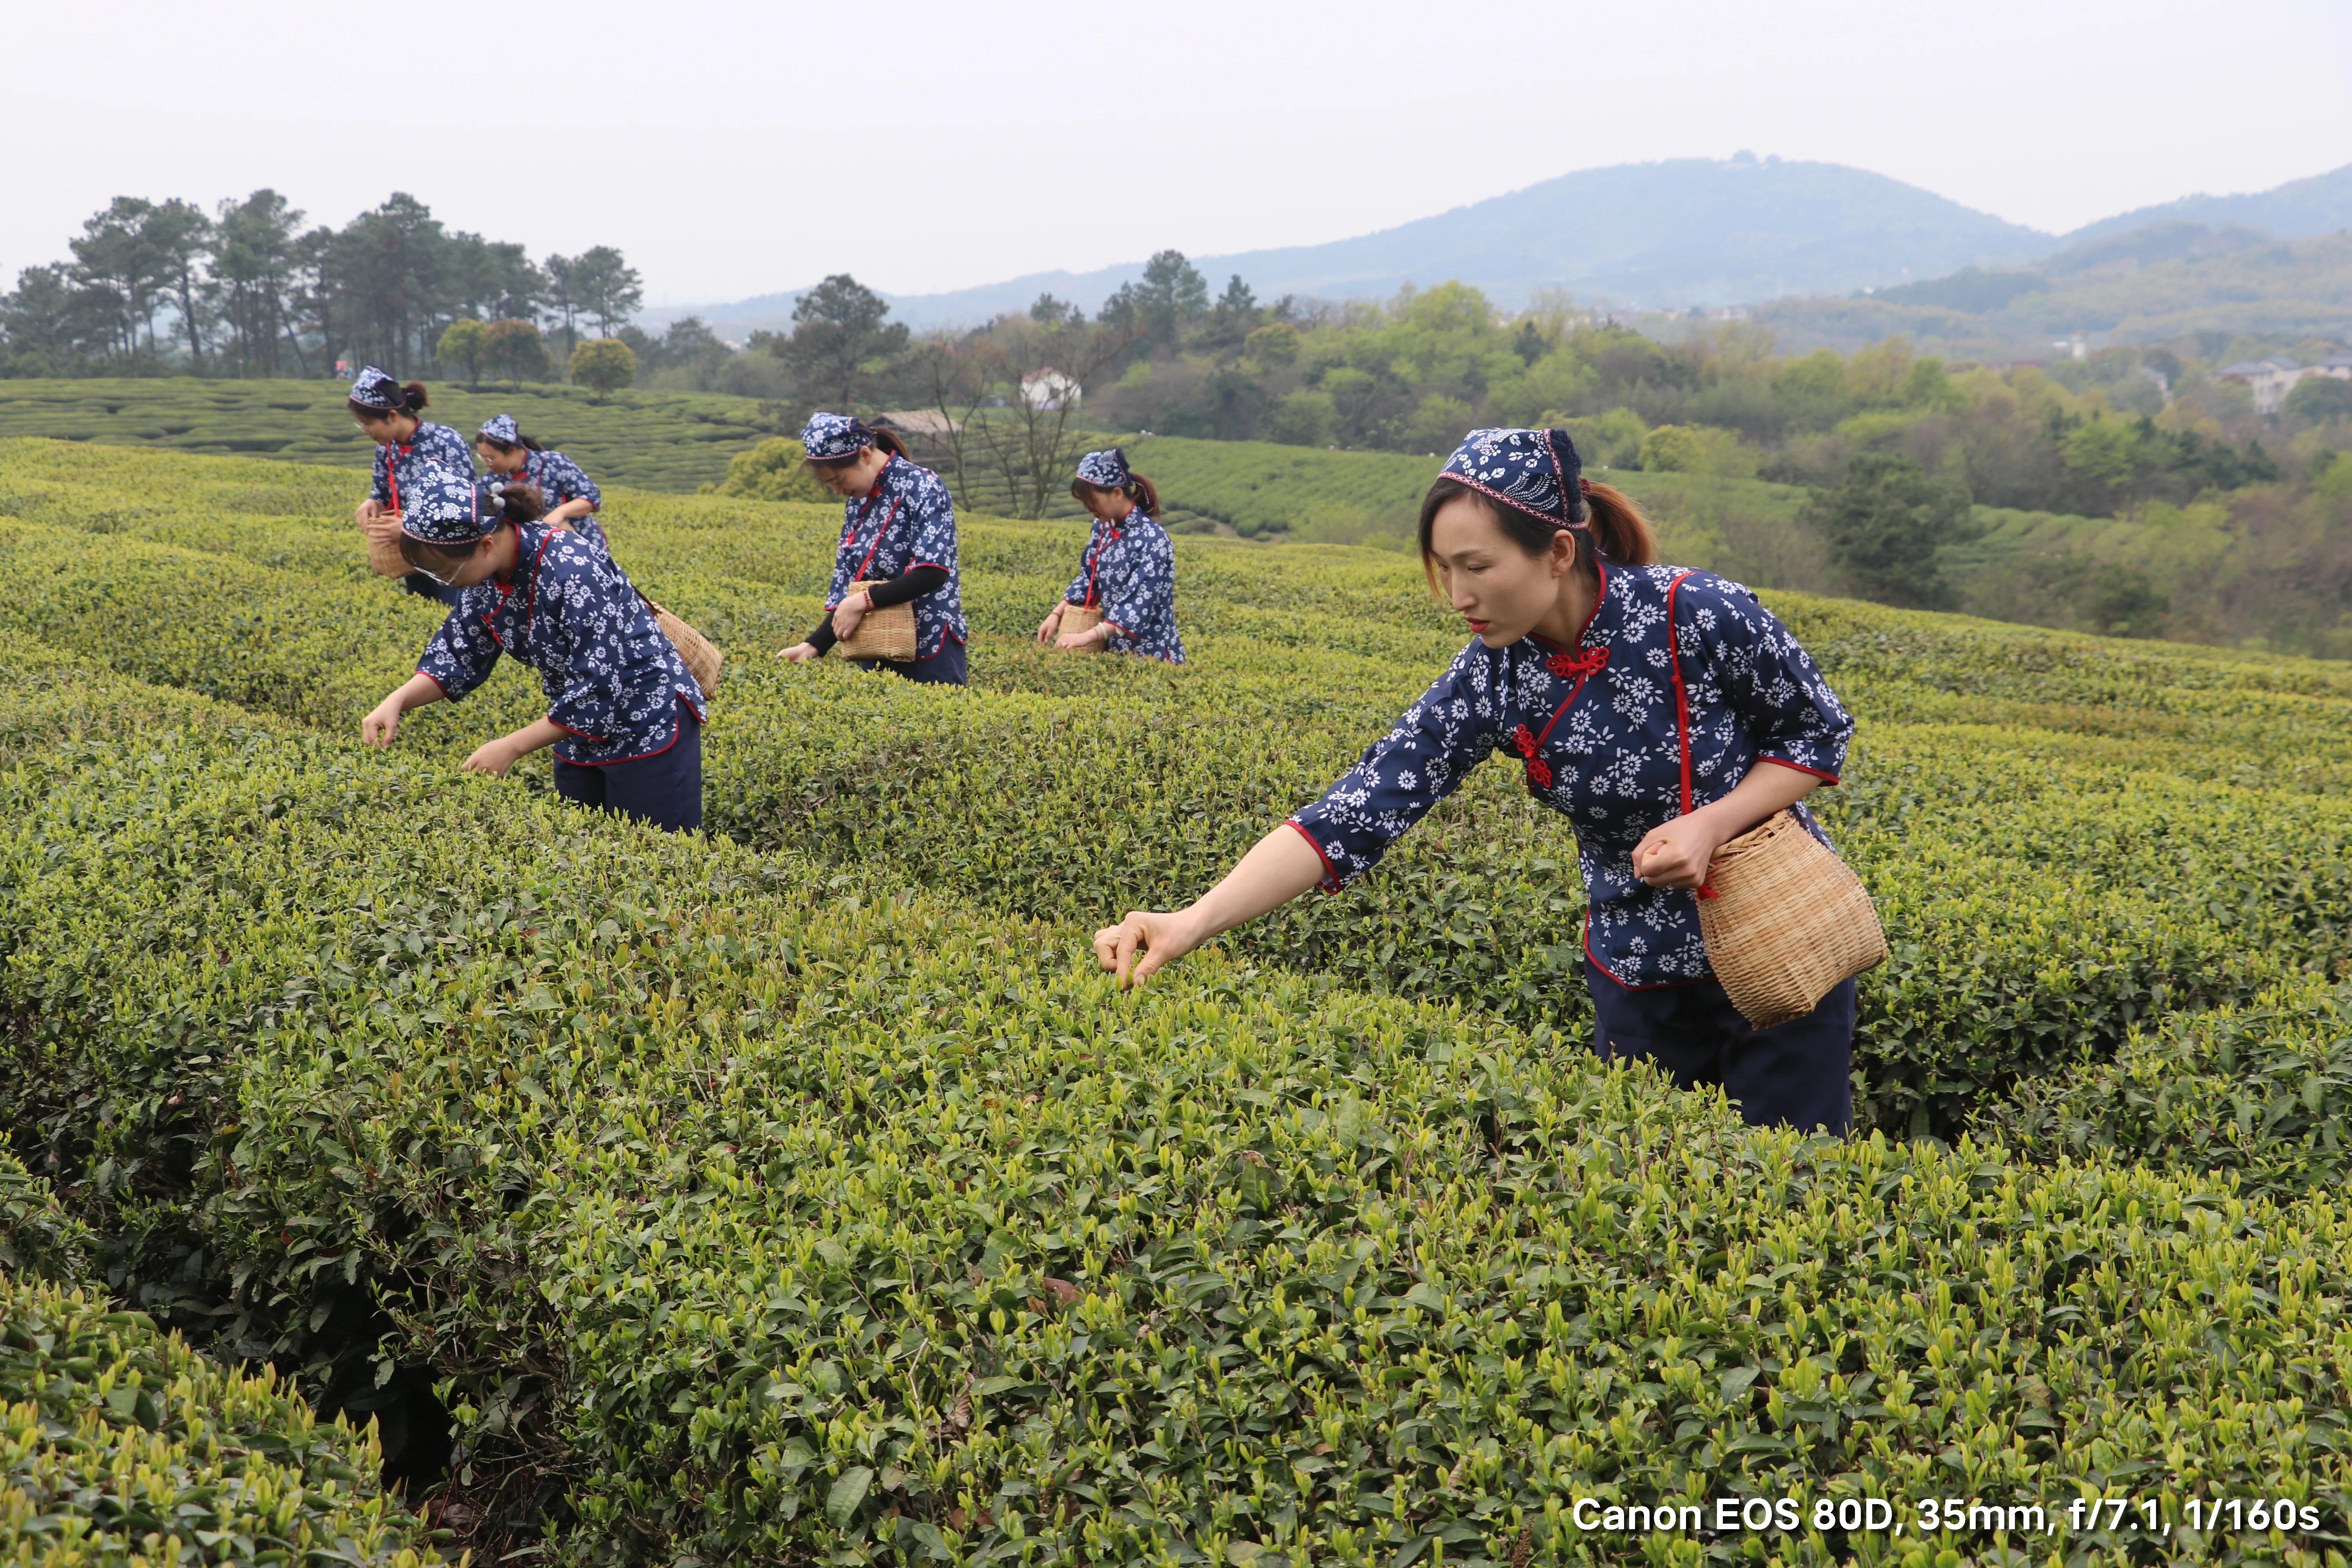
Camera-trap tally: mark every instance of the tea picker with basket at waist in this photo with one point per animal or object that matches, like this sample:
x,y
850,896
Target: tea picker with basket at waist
x,y
405,446
1124,596
623,713
510,457
1667,714
896,602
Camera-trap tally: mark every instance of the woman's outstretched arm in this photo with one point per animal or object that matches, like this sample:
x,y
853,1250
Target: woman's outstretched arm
x,y
1281,866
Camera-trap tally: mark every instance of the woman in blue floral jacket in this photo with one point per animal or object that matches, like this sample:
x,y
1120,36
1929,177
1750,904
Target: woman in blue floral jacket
x,y
1129,572
899,530
624,714
510,457
1664,712
404,445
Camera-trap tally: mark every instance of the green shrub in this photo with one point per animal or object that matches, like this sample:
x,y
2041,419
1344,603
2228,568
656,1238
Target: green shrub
x,y
120,1446
773,470
695,1172
2259,1093
779,1220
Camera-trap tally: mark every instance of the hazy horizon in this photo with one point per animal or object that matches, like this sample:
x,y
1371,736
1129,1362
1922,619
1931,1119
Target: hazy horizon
x,y
730,155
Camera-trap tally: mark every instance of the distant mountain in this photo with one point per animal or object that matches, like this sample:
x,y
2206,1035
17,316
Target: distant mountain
x,y
1689,231
2167,281
2296,210
1699,231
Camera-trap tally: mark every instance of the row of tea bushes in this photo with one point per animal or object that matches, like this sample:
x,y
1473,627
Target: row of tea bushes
x,y
121,1446
654,440
2257,1093
2047,888
781,1225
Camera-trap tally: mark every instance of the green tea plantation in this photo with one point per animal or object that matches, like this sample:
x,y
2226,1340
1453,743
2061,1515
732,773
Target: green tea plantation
x,y
801,1192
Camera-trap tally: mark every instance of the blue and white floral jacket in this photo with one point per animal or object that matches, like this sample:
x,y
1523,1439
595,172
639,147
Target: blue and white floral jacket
x,y
1599,731
1129,575
558,479
613,682
906,520
433,445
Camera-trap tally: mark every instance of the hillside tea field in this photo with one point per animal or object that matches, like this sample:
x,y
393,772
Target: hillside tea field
x,y
655,440
802,1193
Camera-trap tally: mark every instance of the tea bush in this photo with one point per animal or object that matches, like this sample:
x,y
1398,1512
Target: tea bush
x,y
120,1446
804,1191
2065,834
774,1220
655,440
2259,1093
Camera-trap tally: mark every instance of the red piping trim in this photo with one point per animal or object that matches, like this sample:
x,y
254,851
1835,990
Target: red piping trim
x,y
570,730
641,756
436,681
1330,873
1800,767
1706,889
1599,598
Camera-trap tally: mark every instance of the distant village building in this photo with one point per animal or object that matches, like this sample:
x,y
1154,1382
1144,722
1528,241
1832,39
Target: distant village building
x,y
2269,379
1050,389
919,424
2337,367
925,430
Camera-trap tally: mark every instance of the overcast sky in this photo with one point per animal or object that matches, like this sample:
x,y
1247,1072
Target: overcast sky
x,y
736,147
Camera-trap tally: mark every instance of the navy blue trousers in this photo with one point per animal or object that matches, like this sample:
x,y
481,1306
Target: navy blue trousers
x,y
1792,1075
665,789
945,668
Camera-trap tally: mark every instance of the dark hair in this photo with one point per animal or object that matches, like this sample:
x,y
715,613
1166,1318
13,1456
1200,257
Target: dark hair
x,y
521,504
521,443
1617,528
1137,490
412,399
885,439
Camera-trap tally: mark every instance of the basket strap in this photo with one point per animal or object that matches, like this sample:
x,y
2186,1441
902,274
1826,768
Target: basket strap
x,y
1682,710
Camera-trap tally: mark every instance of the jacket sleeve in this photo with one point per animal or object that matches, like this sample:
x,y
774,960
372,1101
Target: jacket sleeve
x,y
461,654
571,483
930,525
1766,678
380,487
1416,764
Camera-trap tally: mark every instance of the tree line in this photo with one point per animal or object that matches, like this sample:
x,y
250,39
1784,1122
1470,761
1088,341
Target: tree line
x,y
166,288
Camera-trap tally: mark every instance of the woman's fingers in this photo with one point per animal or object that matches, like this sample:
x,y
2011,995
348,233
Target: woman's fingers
x,y
1125,948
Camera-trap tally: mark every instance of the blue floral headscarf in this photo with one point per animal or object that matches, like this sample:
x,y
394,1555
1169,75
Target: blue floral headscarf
x,y
829,436
501,428
1536,471
439,506
371,388
1105,470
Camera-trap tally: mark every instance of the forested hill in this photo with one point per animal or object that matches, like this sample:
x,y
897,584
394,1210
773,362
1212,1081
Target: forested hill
x,y
1683,232
2296,210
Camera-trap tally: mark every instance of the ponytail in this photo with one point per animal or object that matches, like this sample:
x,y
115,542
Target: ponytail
x,y
889,441
1619,529
1140,491
413,398
520,503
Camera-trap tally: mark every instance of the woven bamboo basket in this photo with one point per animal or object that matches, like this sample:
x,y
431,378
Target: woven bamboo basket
x,y
702,660
1078,618
383,557
888,633
1788,921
